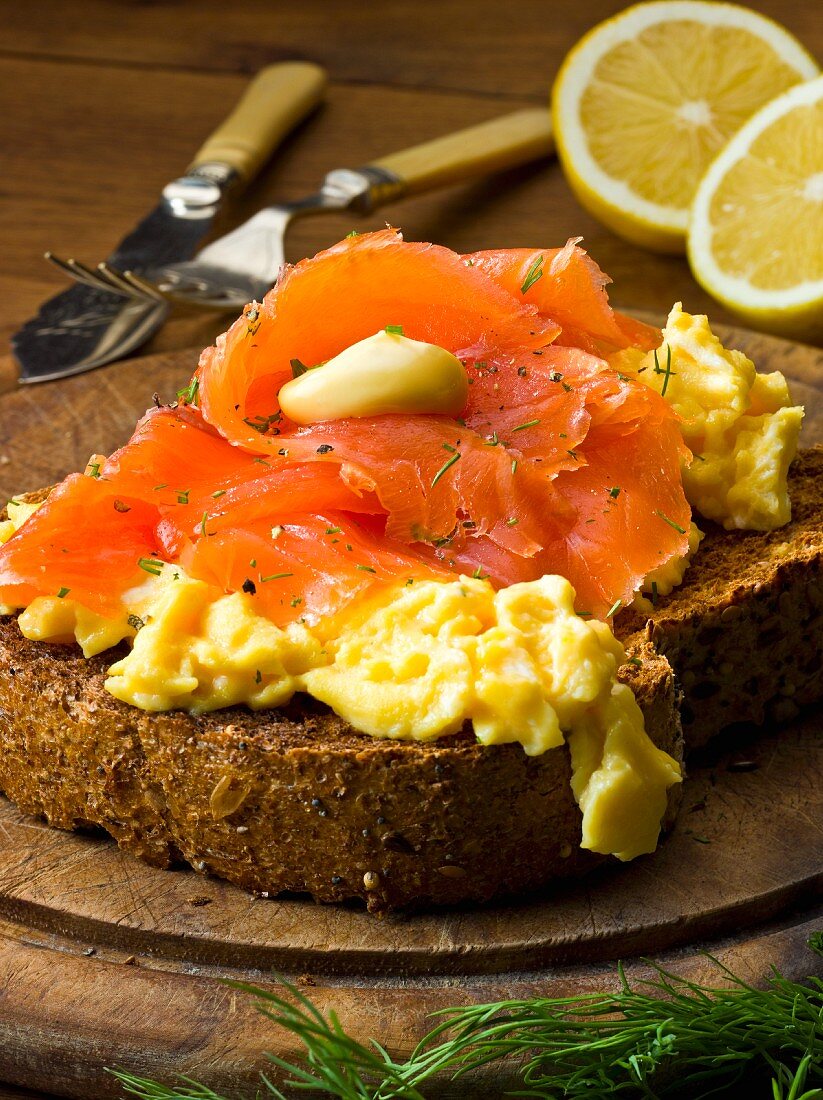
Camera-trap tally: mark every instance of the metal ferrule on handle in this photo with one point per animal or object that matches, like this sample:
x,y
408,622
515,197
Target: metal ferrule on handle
x,y
361,189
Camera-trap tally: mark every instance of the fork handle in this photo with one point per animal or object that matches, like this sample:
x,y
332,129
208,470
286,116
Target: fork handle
x,y
493,146
272,105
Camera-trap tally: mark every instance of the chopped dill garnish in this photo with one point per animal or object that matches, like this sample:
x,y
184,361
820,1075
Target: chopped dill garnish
x,y
262,424
514,466
151,565
297,368
191,392
394,330
667,371
330,530
670,522
448,447
614,492
62,592
528,424
635,661
353,233
219,493
583,614
446,466
135,622
94,469
367,568
479,575
203,524
534,273
183,496
615,607
275,577
512,521
258,677
654,593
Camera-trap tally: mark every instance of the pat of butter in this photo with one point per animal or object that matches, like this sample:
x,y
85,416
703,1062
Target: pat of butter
x,y
386,373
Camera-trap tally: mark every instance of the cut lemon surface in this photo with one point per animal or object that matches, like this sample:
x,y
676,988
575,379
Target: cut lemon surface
x,y
756,234
646,100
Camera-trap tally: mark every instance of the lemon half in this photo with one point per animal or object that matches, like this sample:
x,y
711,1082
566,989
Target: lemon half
x,y
756,234
646,100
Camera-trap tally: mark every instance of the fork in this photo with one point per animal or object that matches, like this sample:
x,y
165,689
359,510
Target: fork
x,y
244,264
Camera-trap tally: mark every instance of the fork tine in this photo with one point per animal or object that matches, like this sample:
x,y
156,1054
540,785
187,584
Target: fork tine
x,y
143,285
79,272
117,281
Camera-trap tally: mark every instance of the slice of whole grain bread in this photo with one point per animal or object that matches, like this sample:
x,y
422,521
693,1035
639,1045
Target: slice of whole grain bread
x,y
295,799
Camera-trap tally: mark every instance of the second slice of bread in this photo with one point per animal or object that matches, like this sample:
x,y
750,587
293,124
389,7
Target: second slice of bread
x,y
744,632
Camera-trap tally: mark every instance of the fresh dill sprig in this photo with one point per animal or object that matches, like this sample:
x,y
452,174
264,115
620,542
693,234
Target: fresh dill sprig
x,y
659,1038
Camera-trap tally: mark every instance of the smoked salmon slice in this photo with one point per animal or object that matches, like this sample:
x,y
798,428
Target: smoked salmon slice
x,y
568,286
86,541
557,464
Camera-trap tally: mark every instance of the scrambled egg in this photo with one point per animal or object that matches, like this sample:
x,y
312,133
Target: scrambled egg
x,y
523,667
739,425
199,650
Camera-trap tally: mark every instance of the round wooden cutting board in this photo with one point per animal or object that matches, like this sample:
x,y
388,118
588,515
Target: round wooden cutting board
x,y
107,962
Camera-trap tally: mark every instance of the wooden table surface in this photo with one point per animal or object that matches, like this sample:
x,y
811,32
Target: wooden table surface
x,y
105,101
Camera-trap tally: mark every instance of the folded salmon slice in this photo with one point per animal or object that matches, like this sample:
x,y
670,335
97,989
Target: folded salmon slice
x,y
556,465
568,286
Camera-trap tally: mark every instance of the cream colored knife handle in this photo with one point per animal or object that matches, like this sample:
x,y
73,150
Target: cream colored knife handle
x,y
275,101
481,150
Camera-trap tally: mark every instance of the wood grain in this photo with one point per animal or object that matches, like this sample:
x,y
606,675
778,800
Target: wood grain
x,y
106,961
478,46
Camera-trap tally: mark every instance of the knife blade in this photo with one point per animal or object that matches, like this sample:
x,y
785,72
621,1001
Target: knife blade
x,y
84,327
